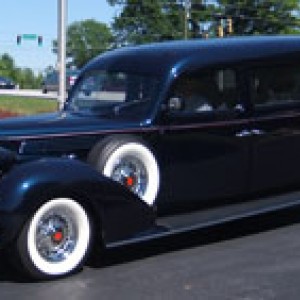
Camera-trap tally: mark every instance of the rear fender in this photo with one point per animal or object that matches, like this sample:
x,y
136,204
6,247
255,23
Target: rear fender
x,y
118,213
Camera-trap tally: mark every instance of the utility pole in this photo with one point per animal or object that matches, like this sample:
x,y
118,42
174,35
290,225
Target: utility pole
x,y
61,59
187,16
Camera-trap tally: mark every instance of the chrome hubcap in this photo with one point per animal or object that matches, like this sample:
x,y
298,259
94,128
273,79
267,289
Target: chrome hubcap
x,y
56,236
132,173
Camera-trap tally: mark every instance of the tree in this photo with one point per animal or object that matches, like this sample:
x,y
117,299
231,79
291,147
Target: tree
x,y
157,20
7,66
144,21
85,40
262,16
25,78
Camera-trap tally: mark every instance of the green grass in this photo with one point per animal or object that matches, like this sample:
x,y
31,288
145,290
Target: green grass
x,y
26,106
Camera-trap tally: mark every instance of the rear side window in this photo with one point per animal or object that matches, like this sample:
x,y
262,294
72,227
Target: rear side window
x,y
207,91
276,86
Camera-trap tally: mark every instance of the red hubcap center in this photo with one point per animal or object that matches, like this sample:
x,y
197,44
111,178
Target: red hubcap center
x,y
130,181
57,236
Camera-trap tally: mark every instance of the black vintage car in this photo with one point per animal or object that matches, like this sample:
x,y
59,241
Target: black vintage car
x,y
152,140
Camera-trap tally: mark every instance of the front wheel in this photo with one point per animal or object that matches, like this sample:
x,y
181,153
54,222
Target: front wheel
x,y
55,241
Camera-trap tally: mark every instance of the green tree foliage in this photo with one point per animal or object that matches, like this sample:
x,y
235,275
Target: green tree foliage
x,y
25,78
262,16
157,20
7,66
141,21
146,21
85,40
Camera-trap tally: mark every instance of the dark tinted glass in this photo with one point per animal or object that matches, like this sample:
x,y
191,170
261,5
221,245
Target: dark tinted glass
x,y
214,90
276,85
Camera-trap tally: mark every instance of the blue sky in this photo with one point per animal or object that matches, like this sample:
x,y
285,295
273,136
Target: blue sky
x,y
40,17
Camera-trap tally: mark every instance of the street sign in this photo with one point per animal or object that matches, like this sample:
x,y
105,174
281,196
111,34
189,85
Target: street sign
x,y
31,37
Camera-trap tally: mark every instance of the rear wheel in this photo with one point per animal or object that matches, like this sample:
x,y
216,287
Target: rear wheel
x,y
128,161
55,241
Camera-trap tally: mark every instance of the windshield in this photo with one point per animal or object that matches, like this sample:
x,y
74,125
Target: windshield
x,y
117,93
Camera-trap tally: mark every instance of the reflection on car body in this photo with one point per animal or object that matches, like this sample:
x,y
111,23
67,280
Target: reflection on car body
x,y
153,140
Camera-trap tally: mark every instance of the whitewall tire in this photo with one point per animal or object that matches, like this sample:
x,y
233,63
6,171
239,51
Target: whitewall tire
x,y
56,239
130,162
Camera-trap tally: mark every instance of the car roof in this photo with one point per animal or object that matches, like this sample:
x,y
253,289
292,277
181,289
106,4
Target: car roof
x,y
162,57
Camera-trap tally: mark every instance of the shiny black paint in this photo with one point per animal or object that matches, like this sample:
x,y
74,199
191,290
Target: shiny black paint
x,y
201,155
275,149
30,184
202,159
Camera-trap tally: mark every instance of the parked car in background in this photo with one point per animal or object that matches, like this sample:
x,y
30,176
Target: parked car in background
x,y
51,82
6,83
153,140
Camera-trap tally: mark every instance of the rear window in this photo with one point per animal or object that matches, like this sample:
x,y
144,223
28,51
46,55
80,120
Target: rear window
x,y
276,85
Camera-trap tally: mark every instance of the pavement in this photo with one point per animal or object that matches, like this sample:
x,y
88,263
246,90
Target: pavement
x,y
257,260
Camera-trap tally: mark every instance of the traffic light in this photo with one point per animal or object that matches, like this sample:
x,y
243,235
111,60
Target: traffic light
x,y
40,40
229,26
19,40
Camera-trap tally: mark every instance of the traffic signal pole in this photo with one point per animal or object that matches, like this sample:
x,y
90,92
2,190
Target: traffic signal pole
x,y
61,59
187,16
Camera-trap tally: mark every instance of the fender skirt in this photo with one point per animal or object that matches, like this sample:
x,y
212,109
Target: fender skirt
x,y
118,213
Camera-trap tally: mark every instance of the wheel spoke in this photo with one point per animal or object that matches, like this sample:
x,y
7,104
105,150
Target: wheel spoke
x,y
131,172
56,236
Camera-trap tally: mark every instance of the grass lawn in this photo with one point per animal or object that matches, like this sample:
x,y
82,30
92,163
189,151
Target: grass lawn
x,y
26,106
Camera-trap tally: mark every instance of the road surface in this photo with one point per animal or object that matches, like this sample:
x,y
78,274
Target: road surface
x,y
243,261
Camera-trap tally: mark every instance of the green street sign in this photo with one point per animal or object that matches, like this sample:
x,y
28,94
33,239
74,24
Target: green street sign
x,y
31,37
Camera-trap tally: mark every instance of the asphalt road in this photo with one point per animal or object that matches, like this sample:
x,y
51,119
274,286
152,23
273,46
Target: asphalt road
x,y
243,261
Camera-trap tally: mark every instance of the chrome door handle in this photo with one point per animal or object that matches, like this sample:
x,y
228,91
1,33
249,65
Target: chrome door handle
x,y
257,132
243,133
252,132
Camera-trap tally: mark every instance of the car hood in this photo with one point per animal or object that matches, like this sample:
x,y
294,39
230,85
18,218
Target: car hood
x,y
58,124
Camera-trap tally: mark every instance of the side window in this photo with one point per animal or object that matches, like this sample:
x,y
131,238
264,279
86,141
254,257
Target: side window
x,y
276,86
210,91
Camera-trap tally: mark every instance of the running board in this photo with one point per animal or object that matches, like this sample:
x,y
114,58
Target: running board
x,y
180,223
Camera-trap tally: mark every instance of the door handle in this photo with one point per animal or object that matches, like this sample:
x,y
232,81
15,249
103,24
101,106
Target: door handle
x,y
257,132
252,132
243,133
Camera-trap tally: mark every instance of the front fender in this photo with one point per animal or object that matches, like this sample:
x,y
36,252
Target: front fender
x,y
119,213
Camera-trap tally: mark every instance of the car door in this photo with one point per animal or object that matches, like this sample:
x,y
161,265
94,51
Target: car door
x,y
205,138
275,126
